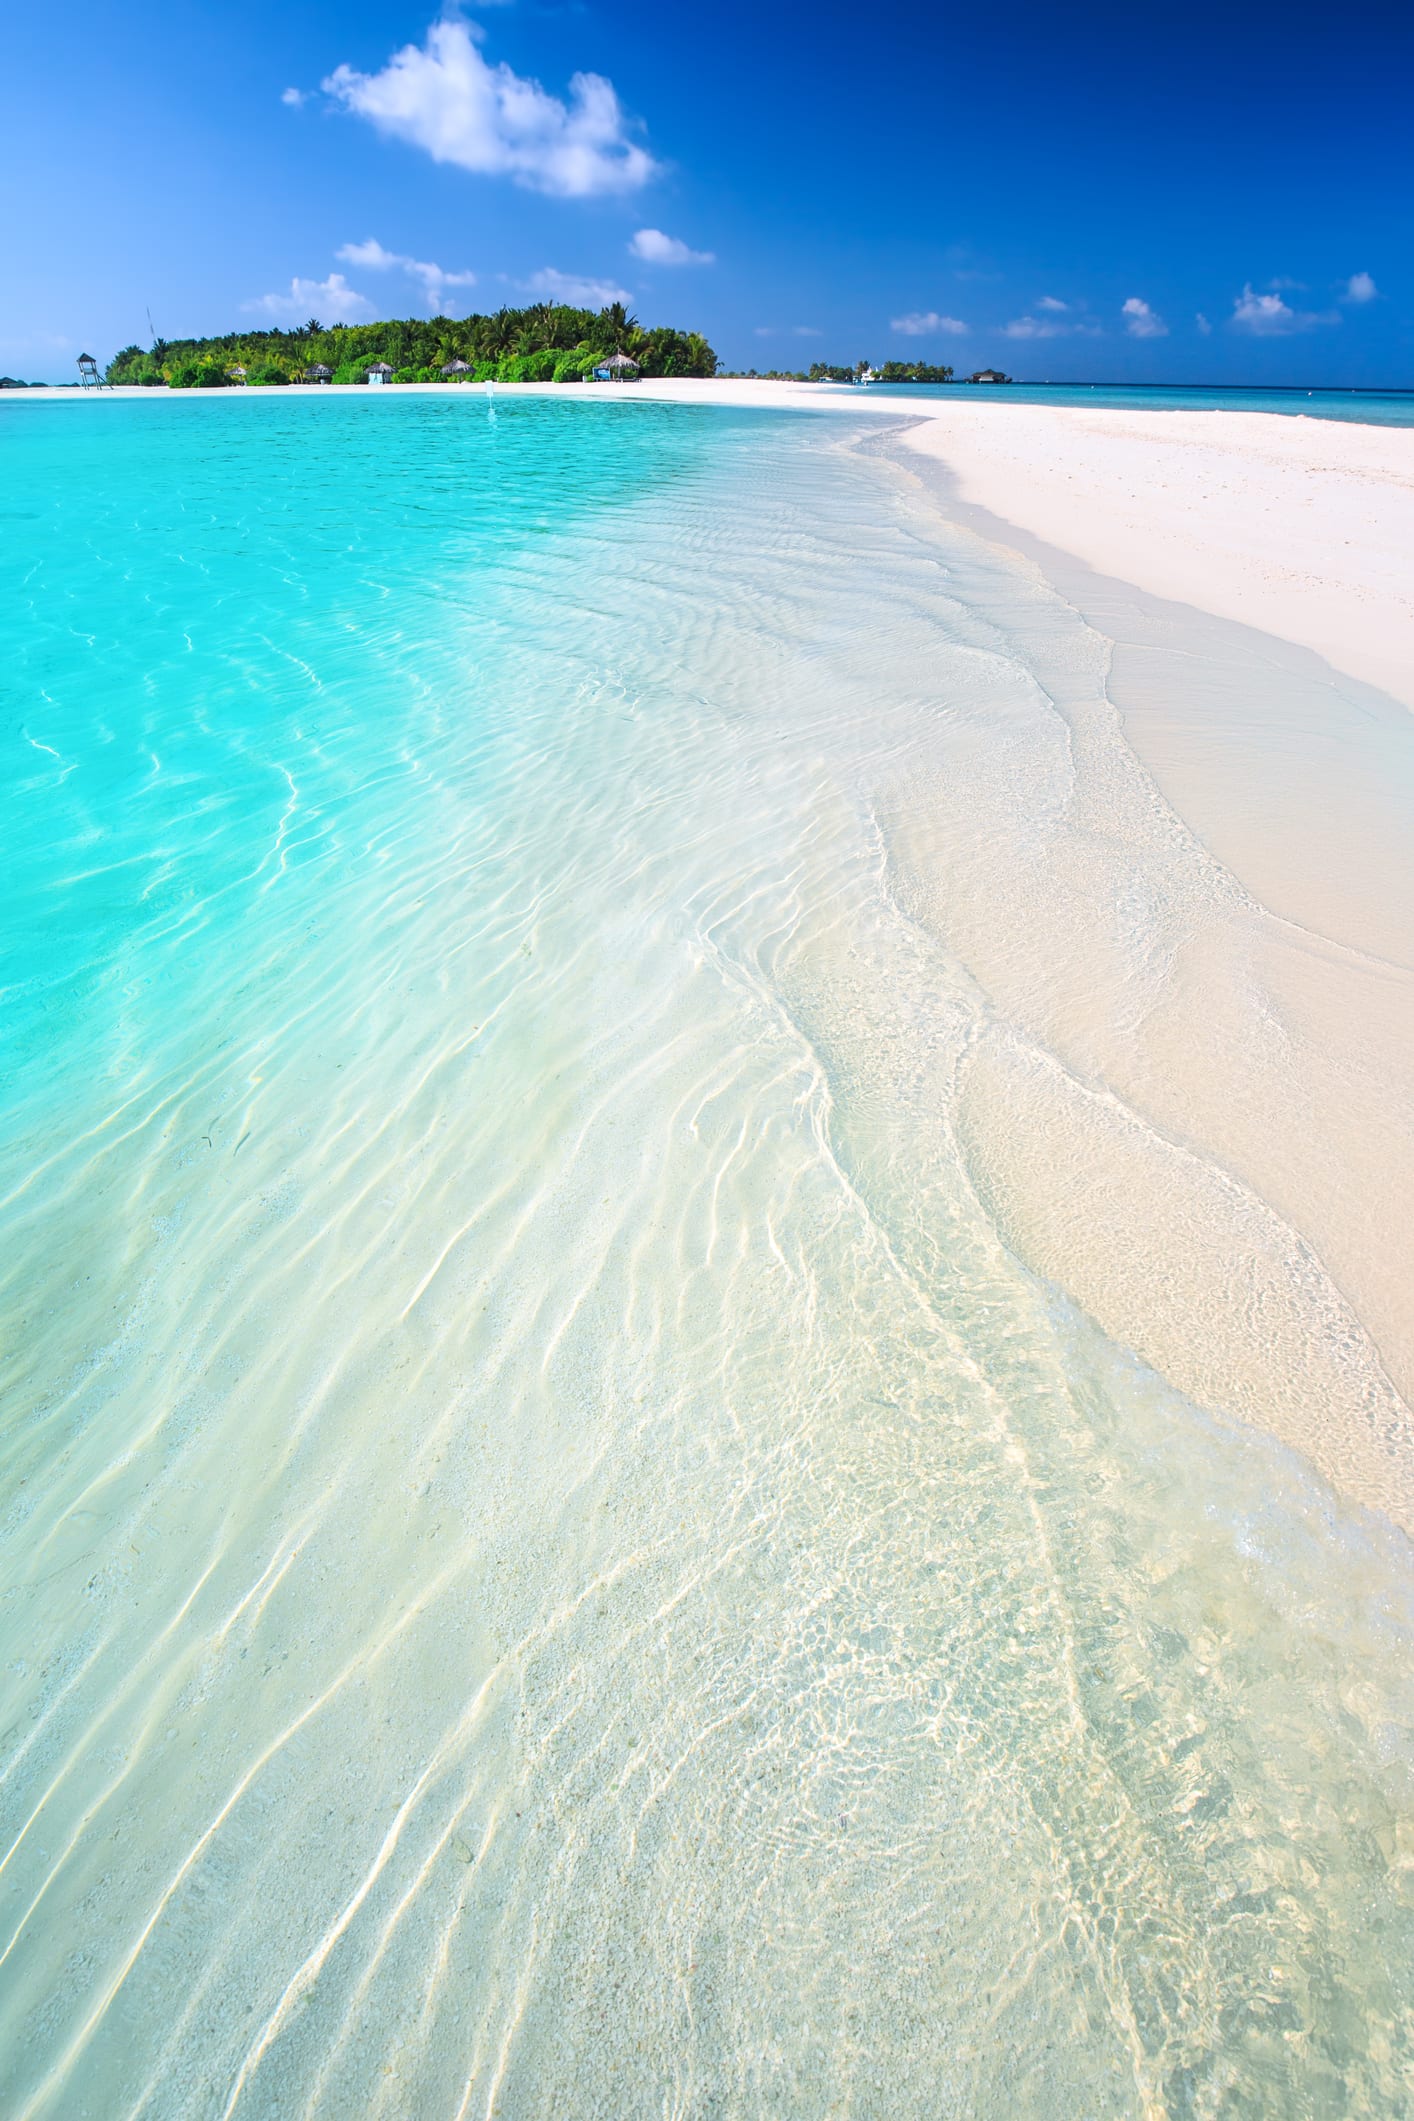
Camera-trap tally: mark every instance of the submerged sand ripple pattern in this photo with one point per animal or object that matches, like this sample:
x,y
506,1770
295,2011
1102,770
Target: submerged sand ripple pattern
x,y
558,1562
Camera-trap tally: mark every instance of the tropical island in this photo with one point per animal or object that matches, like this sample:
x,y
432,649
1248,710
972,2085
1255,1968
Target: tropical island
x,y
549,343
865,372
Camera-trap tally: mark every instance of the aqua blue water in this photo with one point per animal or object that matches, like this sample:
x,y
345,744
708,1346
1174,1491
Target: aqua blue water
x,y
554,1561
1373,408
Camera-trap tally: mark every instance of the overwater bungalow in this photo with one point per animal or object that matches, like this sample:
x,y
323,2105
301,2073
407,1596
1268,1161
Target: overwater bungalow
x,y
989,375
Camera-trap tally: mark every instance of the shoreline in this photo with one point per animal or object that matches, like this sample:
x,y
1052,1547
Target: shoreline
x,y
1206,1144
1265,1066
1299,527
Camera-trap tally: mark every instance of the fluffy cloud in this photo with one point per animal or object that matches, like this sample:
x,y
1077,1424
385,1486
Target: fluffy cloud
x,y
1268,316
332,300
445,98
1052,302
926,323
655,248
1052,326
1360,287
294,97
1203,325
434,280
1141,322
569,287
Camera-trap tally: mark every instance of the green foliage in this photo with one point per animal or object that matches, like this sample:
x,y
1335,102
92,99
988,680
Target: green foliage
x,y
891,372
267,374
574,367
527,368
914,372
544,336
199,375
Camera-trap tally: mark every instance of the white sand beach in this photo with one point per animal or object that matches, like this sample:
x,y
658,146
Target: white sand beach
x,y
1214,1155
1304,527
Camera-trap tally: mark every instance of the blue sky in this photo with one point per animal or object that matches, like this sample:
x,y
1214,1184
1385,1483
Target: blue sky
x,y
1149,191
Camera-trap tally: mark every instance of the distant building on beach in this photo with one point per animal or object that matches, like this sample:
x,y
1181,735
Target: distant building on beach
x,y
617,369
88,372
989,375
380,372
237,374
456,368
318,373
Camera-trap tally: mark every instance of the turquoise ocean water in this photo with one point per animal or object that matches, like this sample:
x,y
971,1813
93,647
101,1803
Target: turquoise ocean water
x,y
553,1562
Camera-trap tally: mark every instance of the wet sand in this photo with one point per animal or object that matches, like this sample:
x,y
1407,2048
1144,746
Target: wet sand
x,y
1213,1154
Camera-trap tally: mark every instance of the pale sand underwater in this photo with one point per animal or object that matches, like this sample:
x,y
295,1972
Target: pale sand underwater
x,y
596,1518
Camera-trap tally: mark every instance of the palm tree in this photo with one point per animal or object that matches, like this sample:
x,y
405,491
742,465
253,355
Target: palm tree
x,y
501,332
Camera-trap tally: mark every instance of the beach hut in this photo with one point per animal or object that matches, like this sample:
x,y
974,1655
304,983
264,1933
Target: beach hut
x,y
456,368
317,373
380,372
617,369
237,374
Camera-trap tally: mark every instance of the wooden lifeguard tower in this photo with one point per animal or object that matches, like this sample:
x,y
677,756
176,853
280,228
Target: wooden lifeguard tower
x,y
89,377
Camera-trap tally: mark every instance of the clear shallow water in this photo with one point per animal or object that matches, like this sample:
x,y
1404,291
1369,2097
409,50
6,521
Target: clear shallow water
x,y
553,1561
1372,408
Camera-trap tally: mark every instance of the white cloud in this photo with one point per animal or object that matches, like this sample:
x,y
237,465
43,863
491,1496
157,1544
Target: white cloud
x,y
331,300
294,97
1267,316
1051,327
926,323
655,248
1052,302
446,99
569,287
433,279
1142,322
1360,287
1202,323
371,254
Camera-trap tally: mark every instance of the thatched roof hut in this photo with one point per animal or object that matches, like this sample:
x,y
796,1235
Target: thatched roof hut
x,y
317,373
617,369
379,372
456,368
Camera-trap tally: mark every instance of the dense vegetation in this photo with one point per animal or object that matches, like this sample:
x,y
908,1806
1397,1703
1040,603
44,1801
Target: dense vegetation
x,y
830,372
550,343
891,372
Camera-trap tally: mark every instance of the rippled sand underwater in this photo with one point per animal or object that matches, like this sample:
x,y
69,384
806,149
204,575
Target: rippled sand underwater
x,y
554,1561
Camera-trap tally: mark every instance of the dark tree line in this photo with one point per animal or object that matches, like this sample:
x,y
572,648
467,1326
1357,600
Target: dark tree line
x,y
551,342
